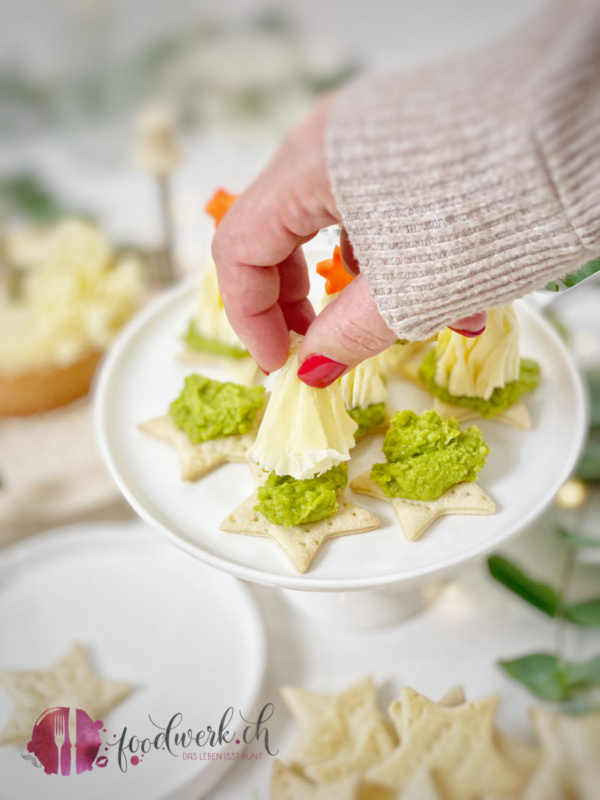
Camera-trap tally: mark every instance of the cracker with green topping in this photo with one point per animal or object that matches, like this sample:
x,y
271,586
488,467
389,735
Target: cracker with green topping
x,y
415,516
209,424
301,543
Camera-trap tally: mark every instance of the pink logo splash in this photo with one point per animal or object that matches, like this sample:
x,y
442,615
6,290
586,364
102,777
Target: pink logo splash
x,y
66,741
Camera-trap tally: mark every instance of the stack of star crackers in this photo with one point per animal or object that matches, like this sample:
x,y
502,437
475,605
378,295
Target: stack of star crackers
x,y
425,750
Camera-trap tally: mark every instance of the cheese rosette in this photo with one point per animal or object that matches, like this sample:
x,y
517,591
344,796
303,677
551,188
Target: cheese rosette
x,y
74,300
474,367
211,320
326,300
364,386
304,431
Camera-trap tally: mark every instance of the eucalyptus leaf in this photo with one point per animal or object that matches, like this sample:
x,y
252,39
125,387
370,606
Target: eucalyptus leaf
x,y
554,679
577,540
580,704
573,278
593,381
541,674
588,468
537,594
586,674
585,614
27,195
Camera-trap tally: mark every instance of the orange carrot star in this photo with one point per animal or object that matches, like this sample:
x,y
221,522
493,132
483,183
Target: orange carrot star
x,y
335,273
219,204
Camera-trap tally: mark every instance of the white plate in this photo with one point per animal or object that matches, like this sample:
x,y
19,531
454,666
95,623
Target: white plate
x,y
188,637
524,470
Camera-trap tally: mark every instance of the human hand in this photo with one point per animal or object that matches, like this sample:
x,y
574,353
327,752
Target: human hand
x,y
263,276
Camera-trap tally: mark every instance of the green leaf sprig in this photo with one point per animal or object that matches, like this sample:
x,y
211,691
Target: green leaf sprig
x,y
549,676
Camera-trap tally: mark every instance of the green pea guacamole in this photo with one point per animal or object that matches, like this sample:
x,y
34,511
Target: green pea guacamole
x,y
198,342
425,455
367,418
208,409
283,500
502,397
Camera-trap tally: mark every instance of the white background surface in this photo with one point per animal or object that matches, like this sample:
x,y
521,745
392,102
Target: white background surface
x,y
461,636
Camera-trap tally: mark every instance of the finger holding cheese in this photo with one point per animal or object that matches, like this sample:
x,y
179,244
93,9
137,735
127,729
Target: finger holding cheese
x,y
474,367
305,431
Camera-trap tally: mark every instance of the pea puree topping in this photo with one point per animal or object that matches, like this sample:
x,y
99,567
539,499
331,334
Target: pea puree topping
x,y
283,500
367,418
426,455
207,409
501,398
198,342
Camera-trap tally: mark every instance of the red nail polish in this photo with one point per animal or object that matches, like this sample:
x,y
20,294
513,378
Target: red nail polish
x,y
468,334
263,370
320,371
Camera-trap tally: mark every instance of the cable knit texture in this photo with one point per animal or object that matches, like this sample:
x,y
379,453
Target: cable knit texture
x,y
468,183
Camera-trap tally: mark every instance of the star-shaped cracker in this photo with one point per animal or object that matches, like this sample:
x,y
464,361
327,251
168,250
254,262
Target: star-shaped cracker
x,y
198,459
456,745
522,757
287,784
515,416
71,682
421,787
340,735
415,516
301,543
570,765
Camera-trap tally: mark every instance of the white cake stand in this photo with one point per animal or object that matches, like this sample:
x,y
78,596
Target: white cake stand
x,y
142,375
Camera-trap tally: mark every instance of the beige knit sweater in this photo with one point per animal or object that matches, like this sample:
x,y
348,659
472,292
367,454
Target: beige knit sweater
x,y
469,183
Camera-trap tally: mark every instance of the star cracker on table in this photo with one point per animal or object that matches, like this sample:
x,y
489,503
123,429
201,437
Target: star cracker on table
x,y
415,516
301,543
522,757
455,744
570,764
70,682
287,784
340,735
198,459
515,416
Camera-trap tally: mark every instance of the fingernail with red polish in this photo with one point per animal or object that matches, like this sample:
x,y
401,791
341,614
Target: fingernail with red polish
x,y
263,370
320,371
468,334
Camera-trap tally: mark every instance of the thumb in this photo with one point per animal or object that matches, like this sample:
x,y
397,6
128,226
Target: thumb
x,y
346,332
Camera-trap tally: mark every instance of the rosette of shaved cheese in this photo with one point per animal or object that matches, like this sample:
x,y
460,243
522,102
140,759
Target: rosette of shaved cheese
x,y
304,431
474,367
211,321
364,385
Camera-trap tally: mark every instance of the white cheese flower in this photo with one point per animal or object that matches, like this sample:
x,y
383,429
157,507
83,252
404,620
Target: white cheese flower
x,y
211,320
474,367
304,431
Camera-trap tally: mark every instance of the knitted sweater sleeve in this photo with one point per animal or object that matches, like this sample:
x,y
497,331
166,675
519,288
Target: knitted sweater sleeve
x,y
466,184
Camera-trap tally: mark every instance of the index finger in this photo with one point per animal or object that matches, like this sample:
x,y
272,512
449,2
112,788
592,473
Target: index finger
x,y
262,272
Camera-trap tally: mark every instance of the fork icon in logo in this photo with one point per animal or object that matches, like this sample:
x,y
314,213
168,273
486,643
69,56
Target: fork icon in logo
x,y
59,740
